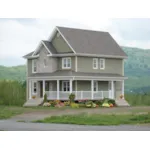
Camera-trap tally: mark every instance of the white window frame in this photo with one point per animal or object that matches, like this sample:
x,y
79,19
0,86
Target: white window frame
x,y
67,59
95,63
34,86
33,65
45,63
95,85
103,60
67,83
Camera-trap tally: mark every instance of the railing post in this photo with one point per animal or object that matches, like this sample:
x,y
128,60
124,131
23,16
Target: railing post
x,y
81,94
43,88
102,95
58,89
92,86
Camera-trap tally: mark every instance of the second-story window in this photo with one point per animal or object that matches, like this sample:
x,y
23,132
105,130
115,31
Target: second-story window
x,y
66,63
95,63
34,66
102,63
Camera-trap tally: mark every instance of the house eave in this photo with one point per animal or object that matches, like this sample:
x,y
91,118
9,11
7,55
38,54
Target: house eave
x,y
88,55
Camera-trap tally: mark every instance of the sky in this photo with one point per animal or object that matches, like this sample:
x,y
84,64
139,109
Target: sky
x,y
19,36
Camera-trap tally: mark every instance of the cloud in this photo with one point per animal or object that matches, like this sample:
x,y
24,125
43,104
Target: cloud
x,y
21,36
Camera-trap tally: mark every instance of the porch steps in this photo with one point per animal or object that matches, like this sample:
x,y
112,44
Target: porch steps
x,y
122,102
33,102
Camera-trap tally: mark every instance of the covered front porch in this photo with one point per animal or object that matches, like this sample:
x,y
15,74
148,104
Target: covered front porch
x,y
93,89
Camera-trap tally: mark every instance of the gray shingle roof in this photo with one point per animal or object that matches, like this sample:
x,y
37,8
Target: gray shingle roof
x,y
91,42
73,73
29,54
50,47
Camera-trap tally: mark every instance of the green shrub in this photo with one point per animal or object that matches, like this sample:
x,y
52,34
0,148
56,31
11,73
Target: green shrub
x,y
72,97
45,97
74,105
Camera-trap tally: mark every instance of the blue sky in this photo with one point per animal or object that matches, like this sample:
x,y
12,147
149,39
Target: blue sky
x,y
21,36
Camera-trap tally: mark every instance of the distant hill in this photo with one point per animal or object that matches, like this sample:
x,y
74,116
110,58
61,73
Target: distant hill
x,y
137,69
13,73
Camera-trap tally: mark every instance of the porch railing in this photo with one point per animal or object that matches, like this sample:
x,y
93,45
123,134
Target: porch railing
x,y
79,95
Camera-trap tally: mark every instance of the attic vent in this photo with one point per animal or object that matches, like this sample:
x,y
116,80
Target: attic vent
x,y
58,34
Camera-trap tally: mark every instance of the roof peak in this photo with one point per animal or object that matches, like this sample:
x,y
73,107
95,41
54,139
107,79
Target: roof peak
x,y
83,29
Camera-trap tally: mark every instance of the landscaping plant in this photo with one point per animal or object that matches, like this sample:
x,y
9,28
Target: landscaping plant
x,y
72,97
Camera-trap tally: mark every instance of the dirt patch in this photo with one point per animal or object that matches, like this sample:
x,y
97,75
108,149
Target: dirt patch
x,y
41,114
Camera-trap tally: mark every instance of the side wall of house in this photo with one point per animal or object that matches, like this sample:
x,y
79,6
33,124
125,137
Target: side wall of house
x,y
114,66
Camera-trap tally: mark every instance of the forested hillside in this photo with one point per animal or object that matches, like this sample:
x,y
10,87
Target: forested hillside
x,y
137,68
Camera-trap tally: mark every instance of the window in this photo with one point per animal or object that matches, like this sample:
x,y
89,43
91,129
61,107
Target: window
x,y
95,86
34,66
66,63
65,86
95,63
45,63
34,85
102,63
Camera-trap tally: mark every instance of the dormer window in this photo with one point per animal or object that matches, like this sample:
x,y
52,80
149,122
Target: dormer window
x,y
34,66
66,63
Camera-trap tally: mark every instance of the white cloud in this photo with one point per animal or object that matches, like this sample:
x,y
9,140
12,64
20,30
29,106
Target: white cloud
x,y
18,38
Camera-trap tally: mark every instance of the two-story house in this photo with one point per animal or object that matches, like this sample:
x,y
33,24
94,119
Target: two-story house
x,y
85,62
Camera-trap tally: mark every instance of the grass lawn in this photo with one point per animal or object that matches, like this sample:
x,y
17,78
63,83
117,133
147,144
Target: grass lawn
x,y
98,119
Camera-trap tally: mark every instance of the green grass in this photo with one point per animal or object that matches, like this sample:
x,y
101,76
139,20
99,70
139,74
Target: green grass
x,y
138,99
8,112
97,119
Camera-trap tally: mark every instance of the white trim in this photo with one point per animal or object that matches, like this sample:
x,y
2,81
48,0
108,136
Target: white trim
x,y
30,88
82,78
34,66
70,85
95,61
38,49
76,85
103,60
92,88
65,40
43,88
52,34
76,64
112,89
88,55
67,59
58,89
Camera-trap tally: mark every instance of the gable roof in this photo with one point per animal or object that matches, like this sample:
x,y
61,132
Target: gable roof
x,y
91,42
48,45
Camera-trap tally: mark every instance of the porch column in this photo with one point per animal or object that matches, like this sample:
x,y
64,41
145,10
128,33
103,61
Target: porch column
x,y
112,89
30,89
92,86
58,89
70,85
123,87
43,88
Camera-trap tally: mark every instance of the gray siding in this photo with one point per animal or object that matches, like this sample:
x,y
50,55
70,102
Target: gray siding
x,y
52,63
103,85
85,64
60,44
